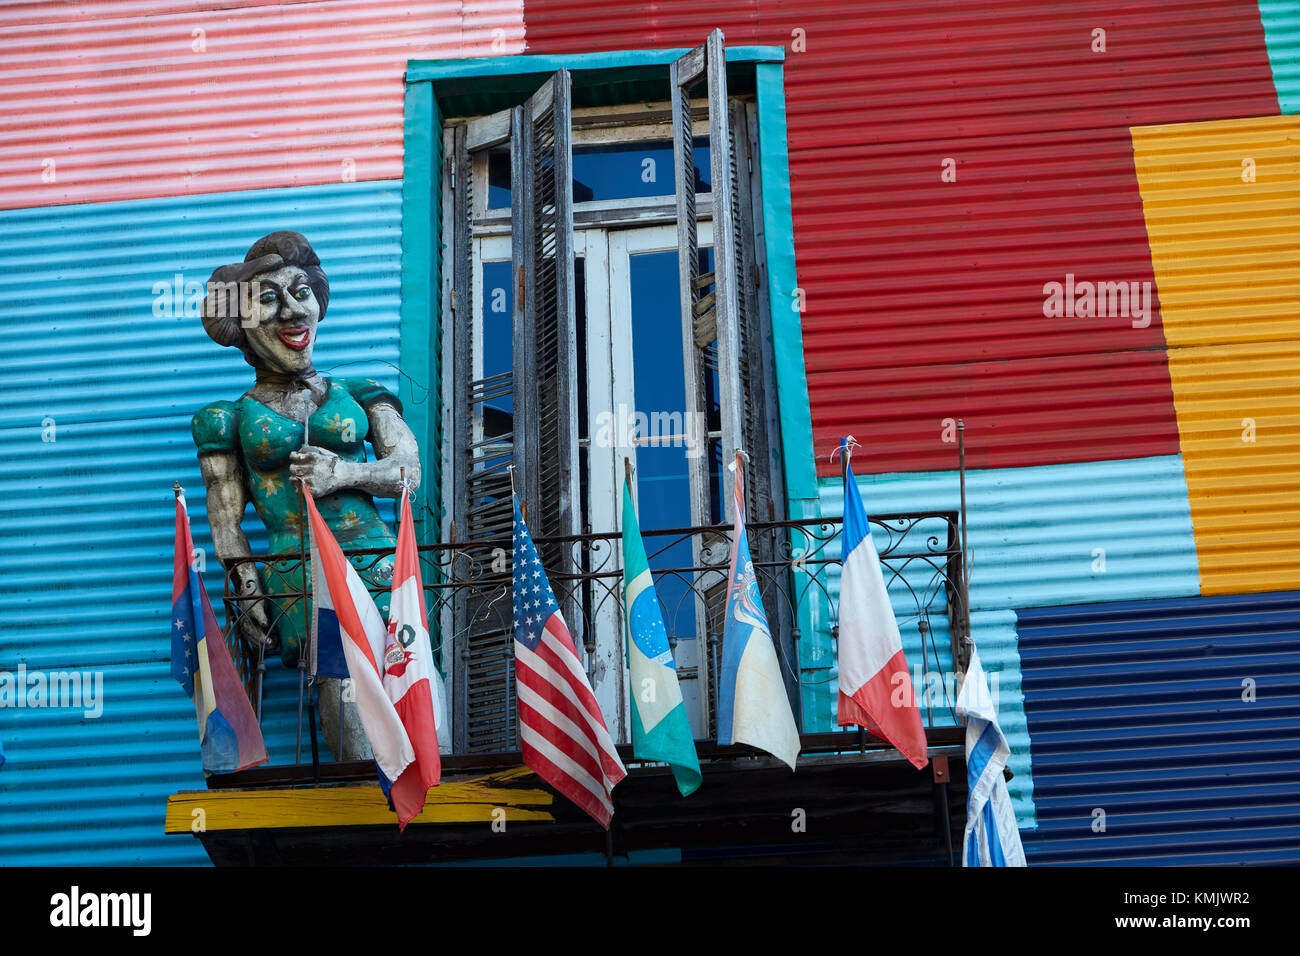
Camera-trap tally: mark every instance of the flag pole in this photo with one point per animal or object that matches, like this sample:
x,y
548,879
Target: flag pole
x,y
305,398
967,641
845,452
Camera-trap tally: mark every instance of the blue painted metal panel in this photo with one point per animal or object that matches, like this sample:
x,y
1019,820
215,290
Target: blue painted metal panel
x,y
90,345
1037,536
1281,20
1141,710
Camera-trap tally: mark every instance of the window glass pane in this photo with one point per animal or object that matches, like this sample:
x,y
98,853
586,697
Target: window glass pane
x,y
498,340
624,171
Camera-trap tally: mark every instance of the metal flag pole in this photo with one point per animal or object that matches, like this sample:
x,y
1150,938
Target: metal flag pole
x,y
846,450
304,398
967,640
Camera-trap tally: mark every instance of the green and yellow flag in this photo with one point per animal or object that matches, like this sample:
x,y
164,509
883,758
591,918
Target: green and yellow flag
x,y
660,728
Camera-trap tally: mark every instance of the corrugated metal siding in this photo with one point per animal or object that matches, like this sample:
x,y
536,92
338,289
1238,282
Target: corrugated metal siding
x,y
86,521
1227,262
1034,536
1137,709
282,94
924,298
1281,20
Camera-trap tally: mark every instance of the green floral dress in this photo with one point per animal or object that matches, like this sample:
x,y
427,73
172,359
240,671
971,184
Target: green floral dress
x,y
262,439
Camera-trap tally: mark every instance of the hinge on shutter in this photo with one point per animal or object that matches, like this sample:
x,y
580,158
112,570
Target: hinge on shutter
x,y
453,300
521,284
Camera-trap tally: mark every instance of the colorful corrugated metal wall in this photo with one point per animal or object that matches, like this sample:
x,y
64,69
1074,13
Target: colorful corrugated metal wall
x,y
198,114
1052,534
924,302
925,297
169,99
100,371
1165,731
925,292
1222,203
1281,20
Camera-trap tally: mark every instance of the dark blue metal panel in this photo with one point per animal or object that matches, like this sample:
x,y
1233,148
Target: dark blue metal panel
x,y
1179,720
101,367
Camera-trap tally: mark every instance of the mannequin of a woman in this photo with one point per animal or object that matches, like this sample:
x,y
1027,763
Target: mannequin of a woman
x,y
252,450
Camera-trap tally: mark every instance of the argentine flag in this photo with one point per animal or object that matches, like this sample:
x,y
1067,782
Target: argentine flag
x,y
660,728
992,838
752,704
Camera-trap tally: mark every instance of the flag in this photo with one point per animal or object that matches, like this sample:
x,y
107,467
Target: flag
x,y
344,610
992,837
875,685
752,704
660,728
229,736
411,680
561,730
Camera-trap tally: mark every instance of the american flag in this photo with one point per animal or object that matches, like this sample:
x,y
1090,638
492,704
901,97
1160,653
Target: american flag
x,y
561,730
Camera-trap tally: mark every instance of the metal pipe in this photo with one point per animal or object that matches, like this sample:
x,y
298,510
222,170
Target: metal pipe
x,y
942,793
965,551
305,398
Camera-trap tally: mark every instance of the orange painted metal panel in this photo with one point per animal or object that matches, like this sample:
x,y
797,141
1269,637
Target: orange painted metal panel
x,y
1222,205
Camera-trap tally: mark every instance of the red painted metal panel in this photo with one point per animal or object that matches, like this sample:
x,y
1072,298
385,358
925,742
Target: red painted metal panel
x,y
131,100
924,297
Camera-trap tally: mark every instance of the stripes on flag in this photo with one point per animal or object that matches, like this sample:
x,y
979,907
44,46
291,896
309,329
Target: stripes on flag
x,y
343,603
561,730
229,735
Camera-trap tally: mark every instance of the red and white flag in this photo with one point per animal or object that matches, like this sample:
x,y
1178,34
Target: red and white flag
x,y
346,615
411,680
876,689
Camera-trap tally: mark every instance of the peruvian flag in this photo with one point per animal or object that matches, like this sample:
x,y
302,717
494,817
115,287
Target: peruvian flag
x,y
347,619
875,685
411,681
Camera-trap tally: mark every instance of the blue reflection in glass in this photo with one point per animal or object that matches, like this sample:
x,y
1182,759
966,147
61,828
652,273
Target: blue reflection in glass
x,y
498,341
625,171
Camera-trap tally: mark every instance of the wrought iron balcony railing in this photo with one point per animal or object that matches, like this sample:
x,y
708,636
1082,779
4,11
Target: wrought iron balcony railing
x,y
469,599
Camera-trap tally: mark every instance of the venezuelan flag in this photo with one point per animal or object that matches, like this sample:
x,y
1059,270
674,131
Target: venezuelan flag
x,y
229,735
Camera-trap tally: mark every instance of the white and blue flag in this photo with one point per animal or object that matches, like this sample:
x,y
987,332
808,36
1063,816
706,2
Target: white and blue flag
x,y
992,838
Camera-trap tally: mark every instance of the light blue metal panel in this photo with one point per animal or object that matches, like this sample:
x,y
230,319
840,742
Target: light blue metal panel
x,y
1165,732
1054,534
1281,20
94,356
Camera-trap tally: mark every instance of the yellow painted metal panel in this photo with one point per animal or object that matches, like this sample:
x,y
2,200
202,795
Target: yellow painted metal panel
x,y
1222,207
455,801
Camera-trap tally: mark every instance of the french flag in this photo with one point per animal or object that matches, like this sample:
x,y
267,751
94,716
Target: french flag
x,y
875,685
348,627
411,680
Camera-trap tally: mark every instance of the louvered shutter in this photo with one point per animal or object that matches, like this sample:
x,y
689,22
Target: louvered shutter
x,y
546,397
542,438
720,324
483,448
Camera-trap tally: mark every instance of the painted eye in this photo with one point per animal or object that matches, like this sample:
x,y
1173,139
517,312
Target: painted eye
x,y
267,298
302,292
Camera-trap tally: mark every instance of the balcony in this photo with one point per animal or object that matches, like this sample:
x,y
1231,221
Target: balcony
x,y
316,809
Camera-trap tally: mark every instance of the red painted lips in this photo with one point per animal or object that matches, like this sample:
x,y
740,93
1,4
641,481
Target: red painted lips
x,y
297,338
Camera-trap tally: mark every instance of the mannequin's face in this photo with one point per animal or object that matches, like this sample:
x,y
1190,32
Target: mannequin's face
x,y
280,323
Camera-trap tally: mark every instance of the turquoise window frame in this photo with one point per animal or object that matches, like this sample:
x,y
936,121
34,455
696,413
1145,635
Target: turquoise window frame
x,y
491,83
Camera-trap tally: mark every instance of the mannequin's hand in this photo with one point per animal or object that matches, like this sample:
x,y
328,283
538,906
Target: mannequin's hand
x,y
319,466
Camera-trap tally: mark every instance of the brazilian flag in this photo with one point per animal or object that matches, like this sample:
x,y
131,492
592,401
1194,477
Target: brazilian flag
x,y
661,730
